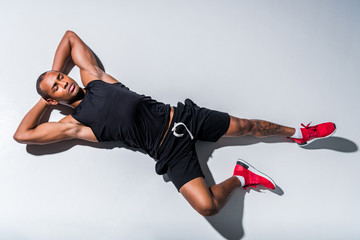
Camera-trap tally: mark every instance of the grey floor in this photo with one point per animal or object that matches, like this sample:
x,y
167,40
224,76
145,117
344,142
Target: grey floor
x,y
289,62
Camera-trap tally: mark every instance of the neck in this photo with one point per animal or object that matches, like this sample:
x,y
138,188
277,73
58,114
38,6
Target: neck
x,y
79,98
75,104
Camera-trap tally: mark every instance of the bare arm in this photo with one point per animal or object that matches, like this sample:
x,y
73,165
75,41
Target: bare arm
x,y
30,132
72,49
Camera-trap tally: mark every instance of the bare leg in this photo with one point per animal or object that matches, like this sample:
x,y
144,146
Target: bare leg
x,y
208,202
258,128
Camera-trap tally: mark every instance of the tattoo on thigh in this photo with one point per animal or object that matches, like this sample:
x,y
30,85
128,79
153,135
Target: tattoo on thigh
x,y
265,128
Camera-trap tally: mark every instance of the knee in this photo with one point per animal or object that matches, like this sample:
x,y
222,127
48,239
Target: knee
x,y
207,209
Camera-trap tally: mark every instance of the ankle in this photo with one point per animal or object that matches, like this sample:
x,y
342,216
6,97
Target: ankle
x,y
239,180
297,134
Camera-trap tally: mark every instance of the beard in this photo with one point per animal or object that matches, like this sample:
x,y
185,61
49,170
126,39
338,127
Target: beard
x,y
79,96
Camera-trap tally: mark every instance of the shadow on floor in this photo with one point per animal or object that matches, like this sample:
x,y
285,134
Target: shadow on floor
x,y
62,146
229,222
333,143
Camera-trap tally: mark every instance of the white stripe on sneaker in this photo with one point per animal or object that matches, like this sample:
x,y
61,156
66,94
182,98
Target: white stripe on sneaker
x,y
254,170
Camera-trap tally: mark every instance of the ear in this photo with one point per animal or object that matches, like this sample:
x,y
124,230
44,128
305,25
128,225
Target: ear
x,y
52,101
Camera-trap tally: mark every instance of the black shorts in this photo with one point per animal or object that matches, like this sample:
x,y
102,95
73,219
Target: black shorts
x,y
177,156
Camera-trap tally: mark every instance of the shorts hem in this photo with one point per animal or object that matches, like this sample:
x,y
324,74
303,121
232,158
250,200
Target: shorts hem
x,y
188,179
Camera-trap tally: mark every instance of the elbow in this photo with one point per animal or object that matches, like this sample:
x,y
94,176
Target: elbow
x,y
19,138
69,34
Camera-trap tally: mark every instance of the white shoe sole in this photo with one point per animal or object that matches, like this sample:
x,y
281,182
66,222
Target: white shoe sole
x,y
310,141
254,170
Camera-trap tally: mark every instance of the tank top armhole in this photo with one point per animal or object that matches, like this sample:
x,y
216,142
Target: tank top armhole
x,y
77,119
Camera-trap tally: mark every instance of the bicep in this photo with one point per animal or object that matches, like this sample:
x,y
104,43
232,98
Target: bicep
x,y
53,132
44,133
84,58
81,53
78,130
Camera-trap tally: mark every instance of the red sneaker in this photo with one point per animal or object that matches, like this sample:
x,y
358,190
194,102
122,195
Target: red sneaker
x,y
310,133
252,176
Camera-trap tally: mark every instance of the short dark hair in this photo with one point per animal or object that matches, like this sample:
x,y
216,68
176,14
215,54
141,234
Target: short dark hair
x,y
38,89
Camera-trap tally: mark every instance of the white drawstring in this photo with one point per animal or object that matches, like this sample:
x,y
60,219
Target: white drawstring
x,y
181,134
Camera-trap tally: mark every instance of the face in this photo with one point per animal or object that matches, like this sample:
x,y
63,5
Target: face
x,y
61,88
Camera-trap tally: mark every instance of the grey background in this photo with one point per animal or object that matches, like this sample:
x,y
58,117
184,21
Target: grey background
x,y
289,62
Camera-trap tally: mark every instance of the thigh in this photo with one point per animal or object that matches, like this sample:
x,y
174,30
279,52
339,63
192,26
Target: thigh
x,y
197,193
212,124
184,169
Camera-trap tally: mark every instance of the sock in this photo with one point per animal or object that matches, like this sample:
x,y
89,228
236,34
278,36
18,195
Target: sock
x,y
297,134
242,180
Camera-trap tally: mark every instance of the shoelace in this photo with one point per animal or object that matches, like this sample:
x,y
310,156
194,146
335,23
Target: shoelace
x,y
181,134
312,130
307,126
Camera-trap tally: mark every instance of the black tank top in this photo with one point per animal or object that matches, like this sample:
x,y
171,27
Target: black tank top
x,y
114,113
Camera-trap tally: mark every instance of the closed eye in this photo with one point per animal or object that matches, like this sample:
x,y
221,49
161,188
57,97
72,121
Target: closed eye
x,y
54,87
60,77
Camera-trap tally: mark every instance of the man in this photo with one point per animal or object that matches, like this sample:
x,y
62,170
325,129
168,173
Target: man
x,y
105,110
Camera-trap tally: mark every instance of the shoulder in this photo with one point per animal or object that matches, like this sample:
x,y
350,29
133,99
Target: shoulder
x,y
75,129
102,78
88,77
70,119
